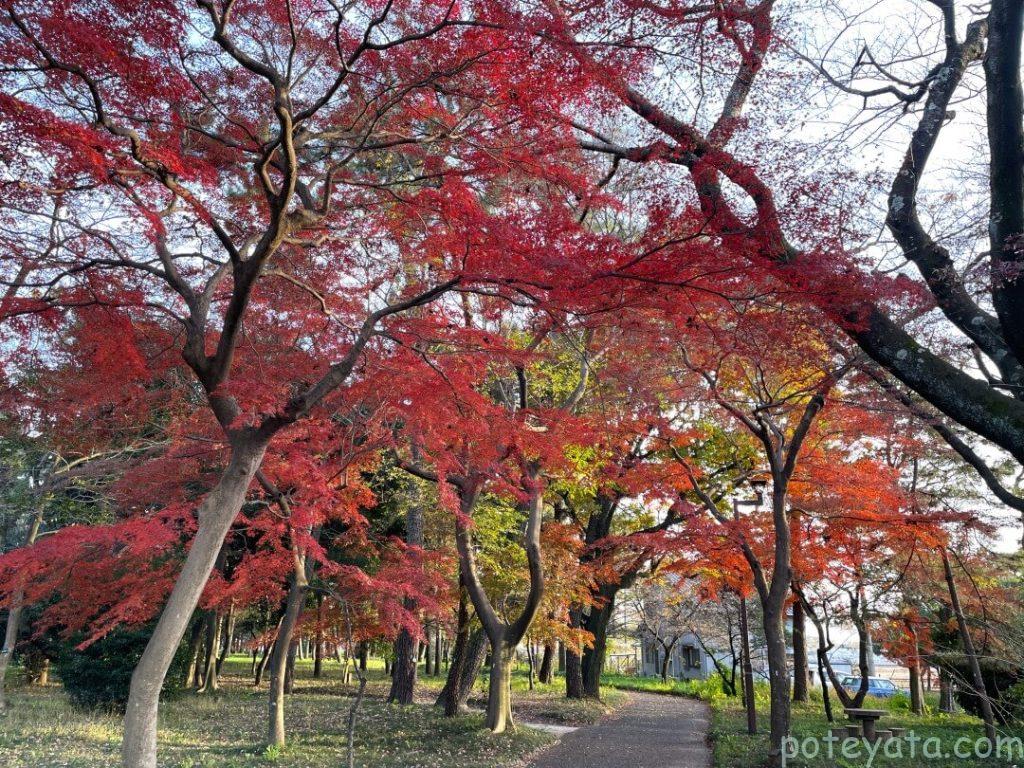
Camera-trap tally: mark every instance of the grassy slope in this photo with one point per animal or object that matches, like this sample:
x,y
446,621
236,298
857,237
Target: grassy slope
x,y
733,748
226,729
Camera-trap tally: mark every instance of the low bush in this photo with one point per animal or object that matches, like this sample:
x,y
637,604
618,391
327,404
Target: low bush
x,y
99,675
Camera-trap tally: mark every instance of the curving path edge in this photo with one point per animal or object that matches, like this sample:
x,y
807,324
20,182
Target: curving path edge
x,y
650,731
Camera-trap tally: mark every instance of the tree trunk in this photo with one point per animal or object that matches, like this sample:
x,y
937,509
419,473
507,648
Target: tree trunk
x,y
825,669
530,666
573,675
499,695
428,651
547,664
916,689
504,637
800,674
195,644
216,513
749,703
826,699
778,676
437,650
353,710
946,702
977,678
459,654
229,637
289,670
318,647
213,622
364,655
403,670
665,661
596,622
279,658
459,686
865,647
14,617
916,694
261,668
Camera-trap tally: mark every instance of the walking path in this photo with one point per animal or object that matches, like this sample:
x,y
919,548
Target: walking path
x,y
651,731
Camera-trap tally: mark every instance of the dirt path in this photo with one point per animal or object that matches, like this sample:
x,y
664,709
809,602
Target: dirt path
x,y
649,732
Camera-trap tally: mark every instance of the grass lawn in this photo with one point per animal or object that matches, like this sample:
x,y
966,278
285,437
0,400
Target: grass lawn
x,y
937,735
700,689
936,732
226,729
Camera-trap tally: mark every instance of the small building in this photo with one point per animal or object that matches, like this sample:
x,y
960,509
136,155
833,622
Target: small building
x,y
688,660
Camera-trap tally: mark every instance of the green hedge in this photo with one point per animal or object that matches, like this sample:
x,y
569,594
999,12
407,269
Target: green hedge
x,y
99,675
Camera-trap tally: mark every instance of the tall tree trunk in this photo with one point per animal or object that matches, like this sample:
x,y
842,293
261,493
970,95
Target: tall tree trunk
x,y
463,673
459,651
916,688
229,637
778,676
428,650
826,699
261,668
946,701
289,670
573,675
504,637
531,665
403,670
749,702
216,513
213,622
459,654
573,661
318,648
14,615
863,646
800,674
279,658
499,695
437,650
825,669
195,644
977,678
592,661
547,664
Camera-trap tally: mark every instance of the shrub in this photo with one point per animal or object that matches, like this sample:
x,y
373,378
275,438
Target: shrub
x,y
99,675
899,703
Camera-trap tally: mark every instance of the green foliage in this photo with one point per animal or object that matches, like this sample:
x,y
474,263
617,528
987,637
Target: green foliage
x,y
709,690
98,676
1013,702
733,748
899,703
272,753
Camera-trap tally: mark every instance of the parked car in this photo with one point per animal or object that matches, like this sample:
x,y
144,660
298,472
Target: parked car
x,y
877,686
